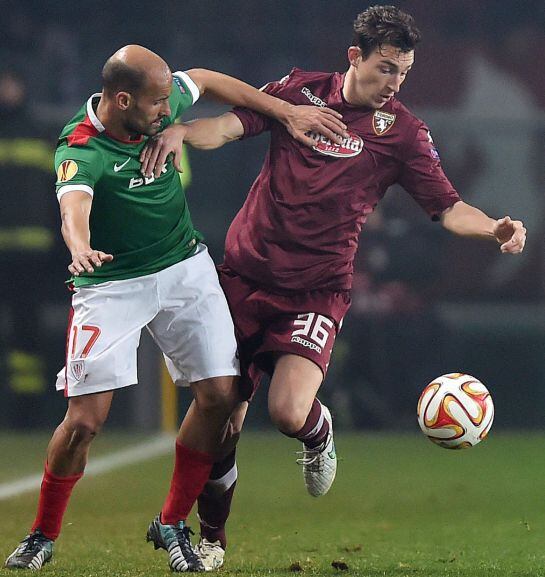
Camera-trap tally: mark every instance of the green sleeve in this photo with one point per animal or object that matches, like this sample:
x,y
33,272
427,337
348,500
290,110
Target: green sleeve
x,y
77,165
184,94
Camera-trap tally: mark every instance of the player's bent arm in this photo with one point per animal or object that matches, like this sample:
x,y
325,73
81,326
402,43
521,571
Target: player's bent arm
x,y
210,133
205,133
297,119
75,207
466,220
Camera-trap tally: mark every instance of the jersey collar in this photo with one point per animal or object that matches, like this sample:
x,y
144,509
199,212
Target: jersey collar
x,y
92,114
100,127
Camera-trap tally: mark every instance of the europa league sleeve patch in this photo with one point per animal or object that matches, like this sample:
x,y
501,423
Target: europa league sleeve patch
x,y
67,170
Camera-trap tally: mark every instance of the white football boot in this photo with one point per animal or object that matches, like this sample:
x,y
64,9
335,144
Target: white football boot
x,y
210,554
320,463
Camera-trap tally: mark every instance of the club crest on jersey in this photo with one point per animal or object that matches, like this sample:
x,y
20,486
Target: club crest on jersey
x,y
350,146
67,170
77,368
382,122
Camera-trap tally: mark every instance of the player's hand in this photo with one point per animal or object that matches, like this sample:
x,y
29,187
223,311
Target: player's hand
x,y
511,234
154,154
303,119
87,260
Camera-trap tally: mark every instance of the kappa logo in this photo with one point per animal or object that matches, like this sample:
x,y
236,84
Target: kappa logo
x,y
67,170
350,146
118,167
313,98
307,344
77,368
382,122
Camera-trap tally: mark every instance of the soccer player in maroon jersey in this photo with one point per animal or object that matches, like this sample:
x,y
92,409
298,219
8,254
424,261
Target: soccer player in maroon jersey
x,y
289,252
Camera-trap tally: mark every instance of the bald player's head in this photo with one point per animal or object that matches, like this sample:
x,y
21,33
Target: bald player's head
x,y
131,69
136,89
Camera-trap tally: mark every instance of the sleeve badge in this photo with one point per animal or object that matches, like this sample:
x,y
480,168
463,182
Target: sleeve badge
x,y
67,170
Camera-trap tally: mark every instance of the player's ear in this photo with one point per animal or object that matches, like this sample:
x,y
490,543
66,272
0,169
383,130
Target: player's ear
x,y
123,100
354,55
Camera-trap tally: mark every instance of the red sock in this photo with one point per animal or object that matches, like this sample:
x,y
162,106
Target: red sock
x,y
314,431
191,471
54,496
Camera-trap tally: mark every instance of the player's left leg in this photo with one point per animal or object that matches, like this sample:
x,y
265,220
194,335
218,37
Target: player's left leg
x,y
297,413
195,331
215,501
197,445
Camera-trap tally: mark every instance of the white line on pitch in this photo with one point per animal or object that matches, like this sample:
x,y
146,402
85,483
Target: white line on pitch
x,y
155,447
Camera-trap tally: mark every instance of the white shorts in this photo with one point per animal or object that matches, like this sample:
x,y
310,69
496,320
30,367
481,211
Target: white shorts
x,y
182,306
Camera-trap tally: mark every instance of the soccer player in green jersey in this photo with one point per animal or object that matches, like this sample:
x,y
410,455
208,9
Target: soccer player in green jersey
x,y
138,261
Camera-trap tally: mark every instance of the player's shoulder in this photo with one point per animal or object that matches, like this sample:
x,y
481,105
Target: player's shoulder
x,y
403,115
83,129
298,78
79,143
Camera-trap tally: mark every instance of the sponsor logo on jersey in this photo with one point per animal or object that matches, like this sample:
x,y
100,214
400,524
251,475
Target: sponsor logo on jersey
x,y
313,98
179,83
144,180
67,170
118,167
77,368
350,146
382,122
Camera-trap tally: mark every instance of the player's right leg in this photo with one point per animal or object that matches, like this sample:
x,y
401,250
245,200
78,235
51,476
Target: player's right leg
x,y
66,459
103,335
297,413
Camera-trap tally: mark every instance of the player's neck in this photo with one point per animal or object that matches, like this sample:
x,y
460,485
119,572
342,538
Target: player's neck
x,y
112,124
350,92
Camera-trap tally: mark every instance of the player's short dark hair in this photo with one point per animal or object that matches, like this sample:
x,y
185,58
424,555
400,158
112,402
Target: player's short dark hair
x,y
380,25
119,77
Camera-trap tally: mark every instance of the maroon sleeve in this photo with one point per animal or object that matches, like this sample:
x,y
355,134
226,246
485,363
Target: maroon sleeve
x,y
423,178
253,122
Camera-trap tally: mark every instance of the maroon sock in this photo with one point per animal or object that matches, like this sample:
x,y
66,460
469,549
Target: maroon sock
x,y
215,500
316,428
191,470
54,495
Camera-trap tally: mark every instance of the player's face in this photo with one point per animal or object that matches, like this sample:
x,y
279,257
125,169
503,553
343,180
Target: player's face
x,y
380,76
150,106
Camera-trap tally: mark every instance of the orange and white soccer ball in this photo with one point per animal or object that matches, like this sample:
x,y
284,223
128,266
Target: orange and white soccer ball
x,y
455,411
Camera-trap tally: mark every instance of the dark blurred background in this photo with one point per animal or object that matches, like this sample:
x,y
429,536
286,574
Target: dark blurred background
x,y
425,303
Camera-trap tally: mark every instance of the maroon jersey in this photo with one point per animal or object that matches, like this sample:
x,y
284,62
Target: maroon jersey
x,y
298,229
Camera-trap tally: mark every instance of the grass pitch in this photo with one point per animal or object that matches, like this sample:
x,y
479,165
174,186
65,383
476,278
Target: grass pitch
x,y
400,507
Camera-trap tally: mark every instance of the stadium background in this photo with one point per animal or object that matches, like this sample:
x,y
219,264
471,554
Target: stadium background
x,y
424,302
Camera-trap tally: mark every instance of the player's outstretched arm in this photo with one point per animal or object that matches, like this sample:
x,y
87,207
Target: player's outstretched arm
x,y
466,220
75,210
298,120
204,133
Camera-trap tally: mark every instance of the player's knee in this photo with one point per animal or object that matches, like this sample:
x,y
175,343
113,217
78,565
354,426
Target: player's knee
x,y
217,395
288,420
83,430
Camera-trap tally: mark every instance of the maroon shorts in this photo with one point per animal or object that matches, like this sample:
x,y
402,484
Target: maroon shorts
x,y
266,324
